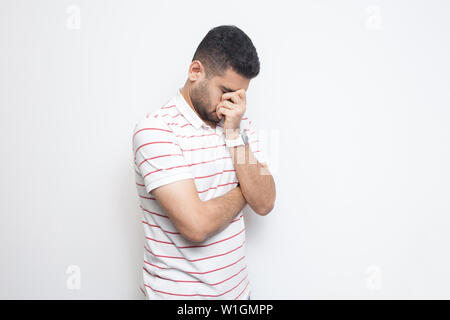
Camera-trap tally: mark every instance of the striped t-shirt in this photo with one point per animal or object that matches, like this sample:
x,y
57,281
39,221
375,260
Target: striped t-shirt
x,y
169,144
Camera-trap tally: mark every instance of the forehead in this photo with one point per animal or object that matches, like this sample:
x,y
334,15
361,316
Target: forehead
x,y
231,81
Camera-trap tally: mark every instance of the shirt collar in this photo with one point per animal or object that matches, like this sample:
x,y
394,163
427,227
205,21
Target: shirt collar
x,y
190,114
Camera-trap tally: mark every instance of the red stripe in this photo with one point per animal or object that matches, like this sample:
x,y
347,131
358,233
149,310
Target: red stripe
x,y
195,136
240,217
193,295
164,155
199,246
158,214
203,162
187,165
183,150
201,177
220,185
148,198
168,107
210,244
172,232
178,114
195,260
215,174
197,281
164,216
177,124
151,129
192,164
146,144
196,272
156,226
221,145
242,290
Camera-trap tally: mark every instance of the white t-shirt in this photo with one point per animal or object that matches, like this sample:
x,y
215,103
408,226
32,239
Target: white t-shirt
x,y
170,144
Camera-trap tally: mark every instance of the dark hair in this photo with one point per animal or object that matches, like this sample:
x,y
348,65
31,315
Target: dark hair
x,y
227,46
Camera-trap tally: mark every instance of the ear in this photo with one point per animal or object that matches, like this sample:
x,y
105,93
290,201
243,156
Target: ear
x,y
196,71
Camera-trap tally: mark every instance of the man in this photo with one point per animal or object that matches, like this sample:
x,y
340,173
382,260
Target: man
x,y
197,165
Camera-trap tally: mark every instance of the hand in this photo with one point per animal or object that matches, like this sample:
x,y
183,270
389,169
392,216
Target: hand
x,y
233,111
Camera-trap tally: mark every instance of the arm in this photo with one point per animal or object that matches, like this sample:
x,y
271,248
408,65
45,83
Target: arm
x,y
198,220
168,176
256,182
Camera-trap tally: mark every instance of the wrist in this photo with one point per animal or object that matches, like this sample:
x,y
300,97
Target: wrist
x,y
239,139
231,134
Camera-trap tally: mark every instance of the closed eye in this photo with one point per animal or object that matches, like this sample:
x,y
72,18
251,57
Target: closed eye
x,y
225,90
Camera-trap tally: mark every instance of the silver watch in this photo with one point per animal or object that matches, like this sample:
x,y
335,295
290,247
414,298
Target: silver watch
x,y
241,140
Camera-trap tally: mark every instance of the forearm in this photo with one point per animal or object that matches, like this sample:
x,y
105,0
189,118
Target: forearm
x,y
255,180
219,212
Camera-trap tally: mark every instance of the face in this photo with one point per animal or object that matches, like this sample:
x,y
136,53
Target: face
x,y
206,94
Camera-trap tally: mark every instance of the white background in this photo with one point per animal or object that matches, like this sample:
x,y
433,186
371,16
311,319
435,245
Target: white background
x,y
357,93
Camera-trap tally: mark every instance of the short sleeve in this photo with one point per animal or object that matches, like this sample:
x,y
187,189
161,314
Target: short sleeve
x,y
157,154
257,140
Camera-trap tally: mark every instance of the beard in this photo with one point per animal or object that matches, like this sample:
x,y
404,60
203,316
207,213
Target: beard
x,y
202,103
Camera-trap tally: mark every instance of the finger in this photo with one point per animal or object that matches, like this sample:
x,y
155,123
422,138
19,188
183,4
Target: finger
x,y
234,96
227,104
221,106
241,93
226,112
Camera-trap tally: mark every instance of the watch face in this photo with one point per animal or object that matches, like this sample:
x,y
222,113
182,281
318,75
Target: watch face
x,y
244,137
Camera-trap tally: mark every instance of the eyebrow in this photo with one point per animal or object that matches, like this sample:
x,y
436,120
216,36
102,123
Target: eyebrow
x,y
227,89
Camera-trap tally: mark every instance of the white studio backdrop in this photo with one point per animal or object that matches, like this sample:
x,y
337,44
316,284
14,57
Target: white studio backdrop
x,y
356,94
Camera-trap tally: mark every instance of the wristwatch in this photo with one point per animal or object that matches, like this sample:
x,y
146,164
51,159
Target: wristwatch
x,y
241,140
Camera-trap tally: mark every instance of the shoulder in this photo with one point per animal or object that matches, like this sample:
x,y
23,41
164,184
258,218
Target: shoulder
x,y
152,127
148,124
158,118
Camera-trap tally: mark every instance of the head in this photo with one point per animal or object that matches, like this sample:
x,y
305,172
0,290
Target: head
x,y
224,61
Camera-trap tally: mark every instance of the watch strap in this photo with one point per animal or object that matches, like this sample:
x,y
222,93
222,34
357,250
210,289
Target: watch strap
x,y
239,141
